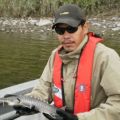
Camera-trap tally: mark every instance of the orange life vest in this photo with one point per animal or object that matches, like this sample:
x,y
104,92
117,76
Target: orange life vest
x,y
82,91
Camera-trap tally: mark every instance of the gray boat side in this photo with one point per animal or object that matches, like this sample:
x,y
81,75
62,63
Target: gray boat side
x,y
23,88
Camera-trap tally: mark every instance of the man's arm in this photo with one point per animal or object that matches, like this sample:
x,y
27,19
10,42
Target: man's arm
x,y
43,89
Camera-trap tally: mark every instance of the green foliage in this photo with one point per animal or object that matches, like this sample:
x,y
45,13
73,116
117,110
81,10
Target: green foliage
x,y
25,8
82,3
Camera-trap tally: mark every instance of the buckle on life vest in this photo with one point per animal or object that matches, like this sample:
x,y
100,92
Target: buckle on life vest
x,y
55,89
82,88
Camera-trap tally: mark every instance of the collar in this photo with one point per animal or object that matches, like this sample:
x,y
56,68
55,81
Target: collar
x,y
68,57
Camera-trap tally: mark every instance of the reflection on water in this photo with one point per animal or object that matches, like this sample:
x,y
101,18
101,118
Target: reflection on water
x,y
23,56
112,39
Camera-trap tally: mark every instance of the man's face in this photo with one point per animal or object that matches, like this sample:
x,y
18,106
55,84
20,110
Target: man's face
x,y
70,41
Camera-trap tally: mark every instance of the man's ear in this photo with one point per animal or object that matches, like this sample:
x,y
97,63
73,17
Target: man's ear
x,y
86,27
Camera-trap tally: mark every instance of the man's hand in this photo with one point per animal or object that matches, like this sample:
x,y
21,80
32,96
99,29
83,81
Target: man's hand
x,y
22,110
63,115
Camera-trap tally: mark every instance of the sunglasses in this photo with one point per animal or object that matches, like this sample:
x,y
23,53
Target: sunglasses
x,y
69,29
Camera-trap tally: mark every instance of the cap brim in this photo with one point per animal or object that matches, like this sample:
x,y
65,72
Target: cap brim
x,y
70,21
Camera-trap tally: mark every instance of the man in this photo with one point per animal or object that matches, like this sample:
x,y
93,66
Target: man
x,y
82,73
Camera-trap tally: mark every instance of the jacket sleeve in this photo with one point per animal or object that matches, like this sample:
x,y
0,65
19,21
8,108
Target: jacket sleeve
x,y
110,83
43,89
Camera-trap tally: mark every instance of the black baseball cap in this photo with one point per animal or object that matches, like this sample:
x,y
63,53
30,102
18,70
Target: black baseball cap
x,y
70,14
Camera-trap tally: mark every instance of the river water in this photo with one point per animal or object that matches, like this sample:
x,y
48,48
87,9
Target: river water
x,y
24,55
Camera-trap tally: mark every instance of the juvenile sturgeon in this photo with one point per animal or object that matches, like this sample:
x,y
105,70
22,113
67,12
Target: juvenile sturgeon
x,y
30,102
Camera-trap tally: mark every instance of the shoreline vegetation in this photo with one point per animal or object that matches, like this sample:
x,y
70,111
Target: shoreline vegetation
x,y
46,8
30,15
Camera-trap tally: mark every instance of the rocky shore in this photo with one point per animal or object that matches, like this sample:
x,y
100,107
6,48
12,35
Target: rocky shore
x,y
24,25
39,25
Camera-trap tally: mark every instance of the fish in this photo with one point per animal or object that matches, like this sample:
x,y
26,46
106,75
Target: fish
x,y
31,103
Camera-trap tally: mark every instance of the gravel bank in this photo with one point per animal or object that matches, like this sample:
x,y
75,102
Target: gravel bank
x,y
38,25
